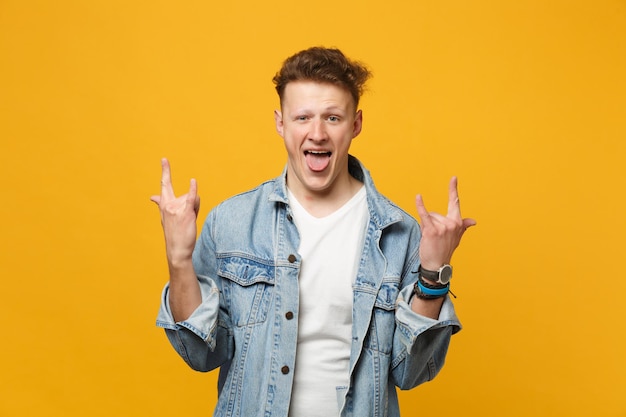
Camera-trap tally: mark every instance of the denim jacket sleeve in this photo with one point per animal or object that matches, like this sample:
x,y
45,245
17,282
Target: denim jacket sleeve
x,y
204,340
420,343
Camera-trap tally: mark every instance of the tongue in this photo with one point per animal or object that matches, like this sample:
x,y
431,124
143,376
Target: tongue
x,y
317,162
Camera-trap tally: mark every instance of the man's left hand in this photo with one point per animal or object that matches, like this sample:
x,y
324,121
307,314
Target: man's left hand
x,y
441,234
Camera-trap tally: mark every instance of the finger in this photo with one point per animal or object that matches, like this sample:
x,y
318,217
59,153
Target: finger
x,y
166,179
454,206
421,210
192,196
156,199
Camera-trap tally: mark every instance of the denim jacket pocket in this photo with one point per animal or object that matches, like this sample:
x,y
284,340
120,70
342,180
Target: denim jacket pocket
x,y
380,336
388,294
248,288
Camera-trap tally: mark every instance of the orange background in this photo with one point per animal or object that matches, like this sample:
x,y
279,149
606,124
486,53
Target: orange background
x,y
525,101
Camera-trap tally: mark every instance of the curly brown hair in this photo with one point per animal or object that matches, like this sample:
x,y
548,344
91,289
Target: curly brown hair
x,y
324,65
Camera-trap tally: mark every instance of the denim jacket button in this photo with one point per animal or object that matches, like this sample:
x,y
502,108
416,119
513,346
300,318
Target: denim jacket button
x,y
291,258
289,315
284,370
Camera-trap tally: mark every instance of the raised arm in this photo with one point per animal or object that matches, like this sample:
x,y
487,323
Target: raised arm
x,y
178,218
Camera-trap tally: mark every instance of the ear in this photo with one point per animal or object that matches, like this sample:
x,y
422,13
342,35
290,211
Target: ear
x,y
278,119
358,124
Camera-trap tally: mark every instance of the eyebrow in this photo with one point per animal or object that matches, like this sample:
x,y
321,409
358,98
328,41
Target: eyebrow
x,y
334,108
329,109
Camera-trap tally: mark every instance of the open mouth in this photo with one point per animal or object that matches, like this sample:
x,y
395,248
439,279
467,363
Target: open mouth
x,y
318,153
317,160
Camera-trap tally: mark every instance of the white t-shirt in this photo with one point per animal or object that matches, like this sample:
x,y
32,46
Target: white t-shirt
x,y
330,248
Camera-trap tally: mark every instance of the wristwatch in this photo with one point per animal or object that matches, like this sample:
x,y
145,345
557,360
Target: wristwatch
x,y
441,276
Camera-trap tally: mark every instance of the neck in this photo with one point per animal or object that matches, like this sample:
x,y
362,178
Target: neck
x,y
321,203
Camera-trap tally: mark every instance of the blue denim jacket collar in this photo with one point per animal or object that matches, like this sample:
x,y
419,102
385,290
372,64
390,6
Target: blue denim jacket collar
x,y
382,212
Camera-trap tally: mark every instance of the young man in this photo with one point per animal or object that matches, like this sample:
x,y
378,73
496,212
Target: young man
x,y
313,294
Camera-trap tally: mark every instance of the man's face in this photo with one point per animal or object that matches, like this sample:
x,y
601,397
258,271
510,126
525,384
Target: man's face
x,y
318,122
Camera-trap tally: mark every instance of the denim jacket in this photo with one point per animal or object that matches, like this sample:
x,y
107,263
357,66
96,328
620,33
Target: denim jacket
x,y
247,264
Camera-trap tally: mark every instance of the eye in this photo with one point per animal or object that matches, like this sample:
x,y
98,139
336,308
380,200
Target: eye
x,y
333,118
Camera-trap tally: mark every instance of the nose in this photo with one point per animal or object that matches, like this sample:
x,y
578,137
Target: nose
x,y
318,130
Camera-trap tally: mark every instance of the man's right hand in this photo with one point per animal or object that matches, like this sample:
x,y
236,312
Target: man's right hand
x,y
178,218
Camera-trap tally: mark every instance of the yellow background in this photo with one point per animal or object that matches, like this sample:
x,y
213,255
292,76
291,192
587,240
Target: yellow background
x,y
524,100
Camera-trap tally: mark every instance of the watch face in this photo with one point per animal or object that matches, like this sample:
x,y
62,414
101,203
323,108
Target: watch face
x,y
445,273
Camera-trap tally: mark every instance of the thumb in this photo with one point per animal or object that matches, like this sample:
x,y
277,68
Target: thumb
x,y
467,223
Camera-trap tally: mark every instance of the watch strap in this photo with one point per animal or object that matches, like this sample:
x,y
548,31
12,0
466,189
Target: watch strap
x,y
428,274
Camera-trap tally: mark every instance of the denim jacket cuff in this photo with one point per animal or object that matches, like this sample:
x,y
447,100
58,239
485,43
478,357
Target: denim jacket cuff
x,y
203,321
411,324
